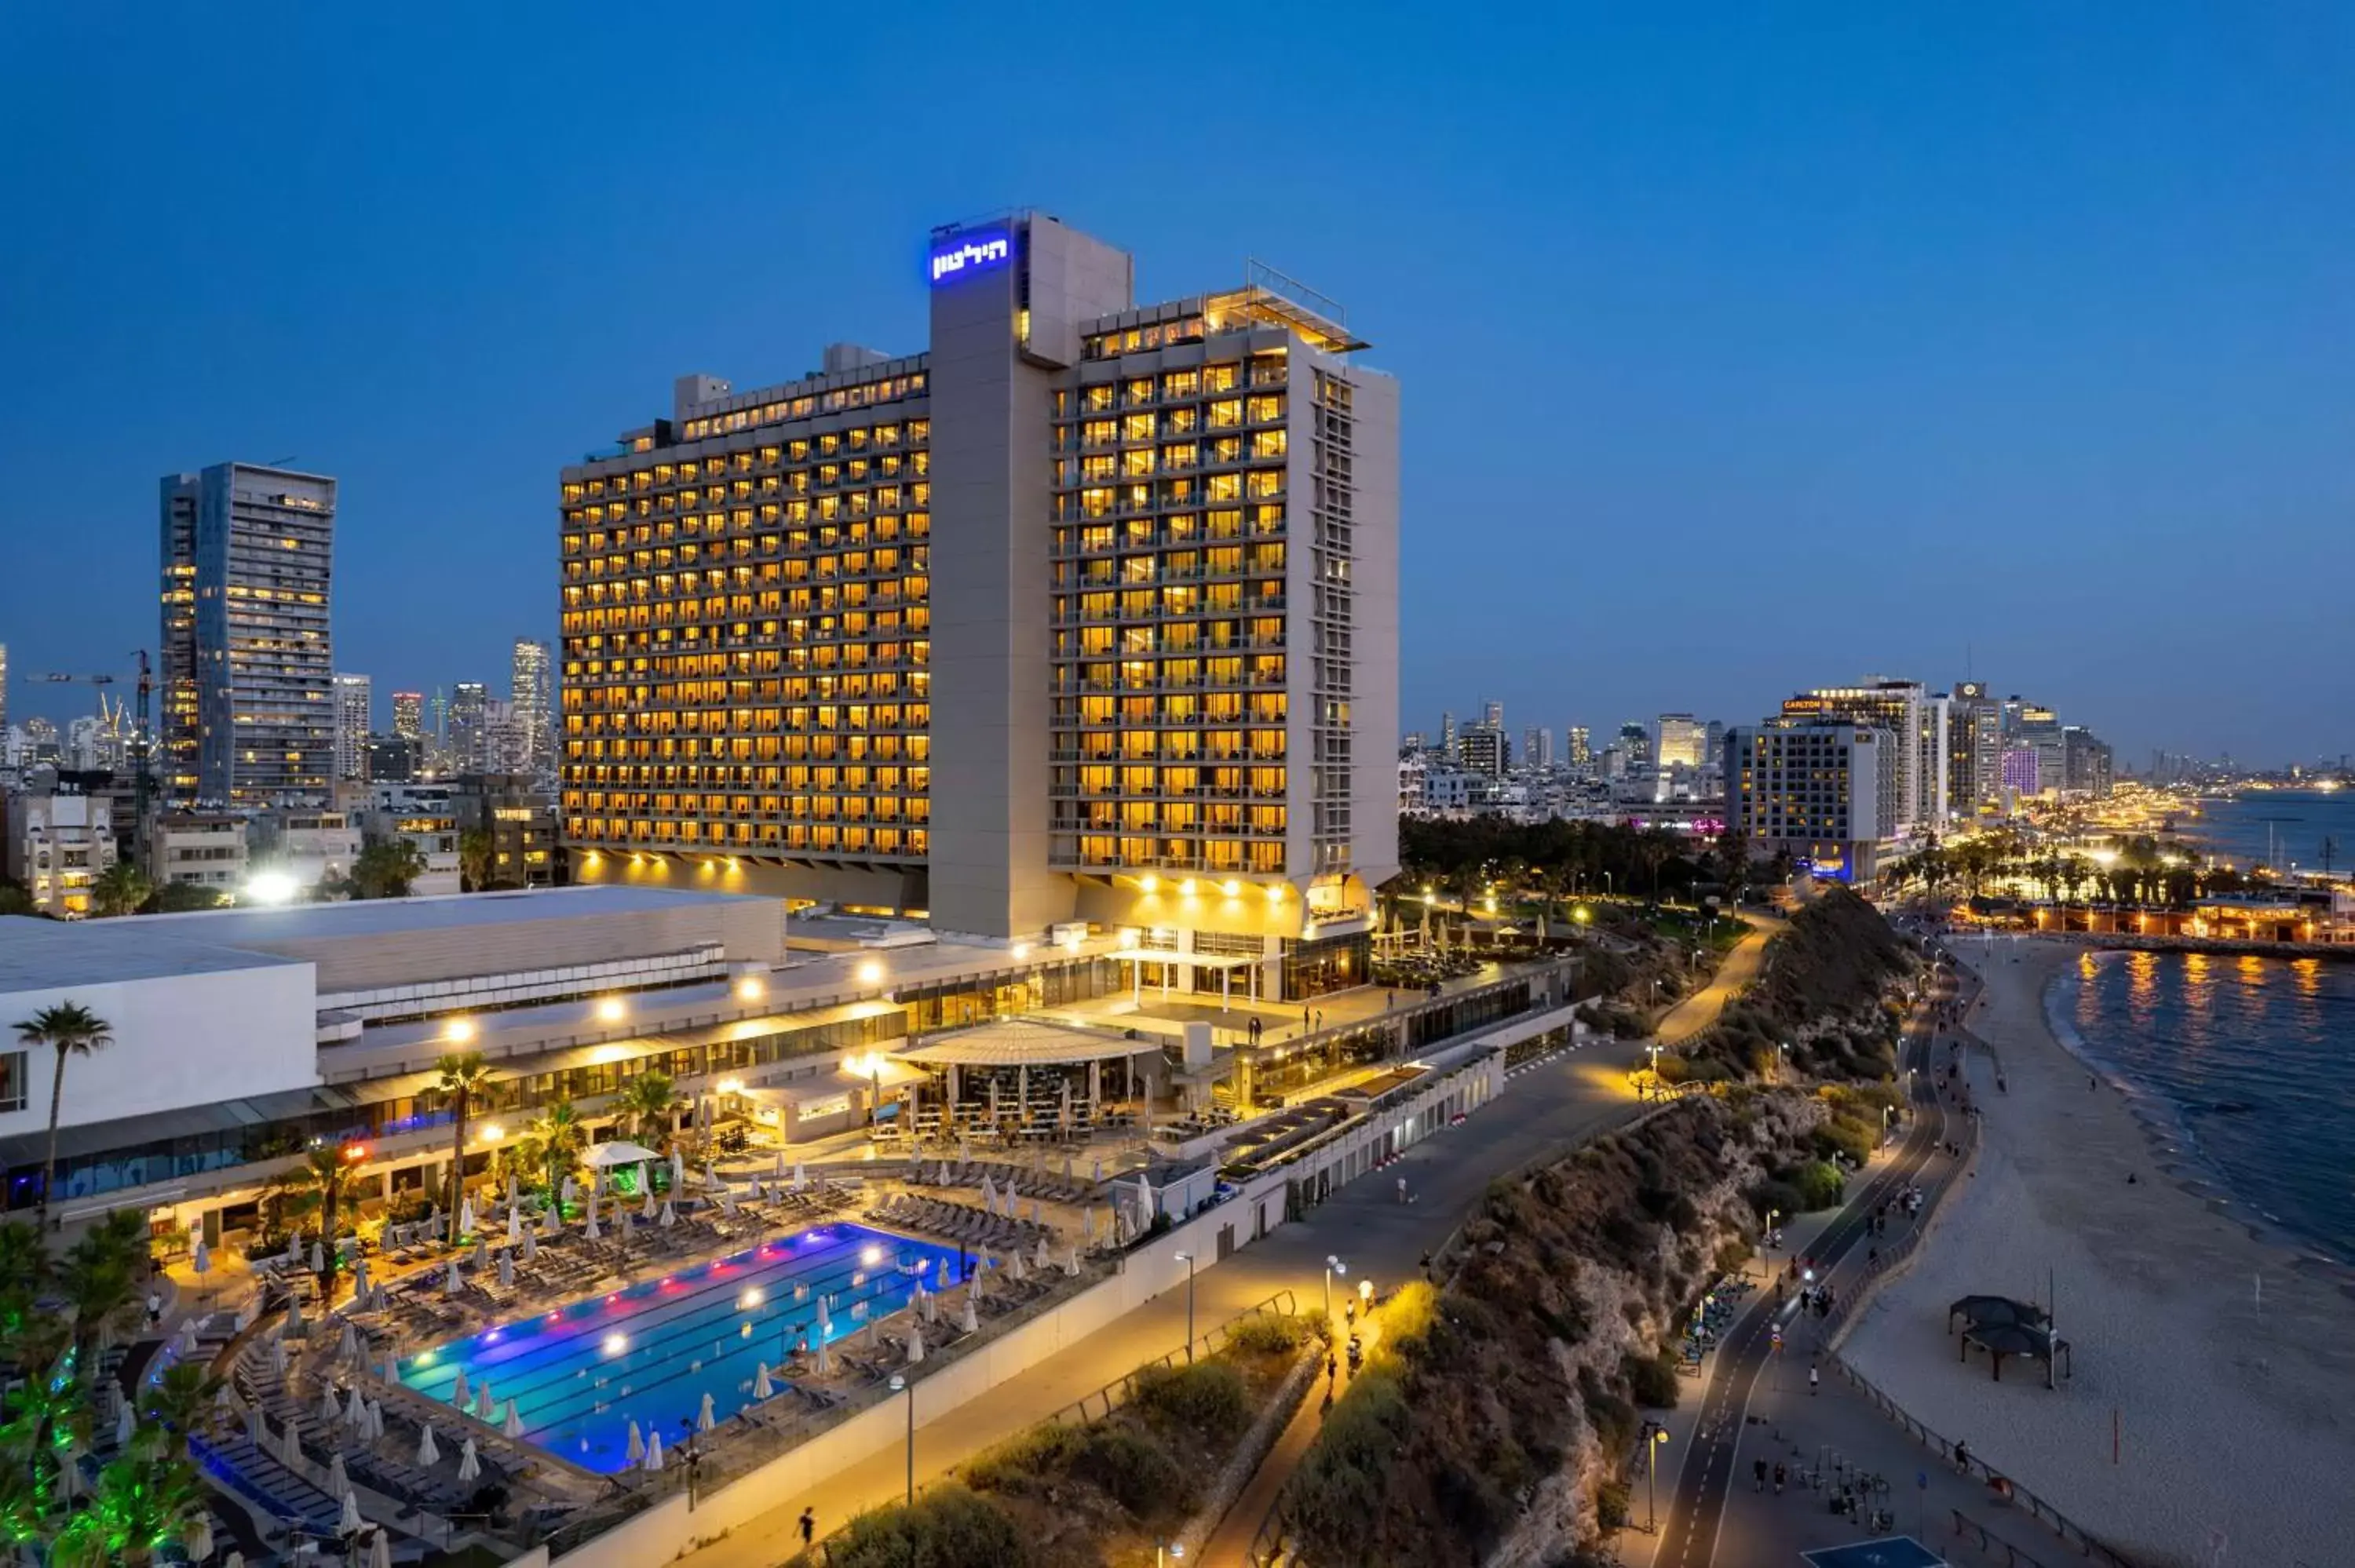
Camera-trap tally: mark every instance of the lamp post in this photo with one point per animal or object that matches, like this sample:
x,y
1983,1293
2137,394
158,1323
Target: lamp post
x,y
1333,1265
1165,1555
1188,1259
899,1384
1654,1435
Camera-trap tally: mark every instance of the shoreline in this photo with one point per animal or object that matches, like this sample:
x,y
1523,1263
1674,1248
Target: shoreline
x,y
2226,1360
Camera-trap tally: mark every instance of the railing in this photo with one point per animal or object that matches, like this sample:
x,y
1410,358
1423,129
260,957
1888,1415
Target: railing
x,y
1099,1403
1999,1485
1967,1528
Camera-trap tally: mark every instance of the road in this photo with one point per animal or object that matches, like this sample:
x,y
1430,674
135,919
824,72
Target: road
x,y
1696,1510
1547,1107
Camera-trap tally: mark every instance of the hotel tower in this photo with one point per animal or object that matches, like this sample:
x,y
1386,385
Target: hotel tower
x,y
1087,613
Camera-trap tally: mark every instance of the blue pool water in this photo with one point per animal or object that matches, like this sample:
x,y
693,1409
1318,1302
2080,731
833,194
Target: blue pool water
x,y
581,1373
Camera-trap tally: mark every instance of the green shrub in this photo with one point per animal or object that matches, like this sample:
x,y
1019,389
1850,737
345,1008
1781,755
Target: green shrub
x,y
948,1528
1819,1184
1206,1397
1652,1381
1131,1471
1265,1333
1611,1506
1020,1462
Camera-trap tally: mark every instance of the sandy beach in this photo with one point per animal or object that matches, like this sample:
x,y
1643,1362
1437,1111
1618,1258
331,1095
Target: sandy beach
x,y
2235,1406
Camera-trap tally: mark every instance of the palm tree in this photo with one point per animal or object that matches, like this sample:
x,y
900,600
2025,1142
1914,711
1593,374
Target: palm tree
x,y
385,868
24,1276
69,1029
651,1105
325,1169
143,1503
462,1074
96,1279
177,1406
120,889
561,1138
475,848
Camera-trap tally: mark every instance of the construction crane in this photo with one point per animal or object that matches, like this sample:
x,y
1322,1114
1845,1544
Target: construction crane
x,y
142,746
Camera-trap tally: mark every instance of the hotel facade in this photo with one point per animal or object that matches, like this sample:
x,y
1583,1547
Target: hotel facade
x,y
1086,614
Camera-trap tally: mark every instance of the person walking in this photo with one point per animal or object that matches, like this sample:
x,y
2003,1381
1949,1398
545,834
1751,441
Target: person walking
x,y
1779,1474
809,1527
1814,1377
1758,1475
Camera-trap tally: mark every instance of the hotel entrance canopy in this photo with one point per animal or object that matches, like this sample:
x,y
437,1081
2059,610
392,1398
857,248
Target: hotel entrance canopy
x,y
1017,1042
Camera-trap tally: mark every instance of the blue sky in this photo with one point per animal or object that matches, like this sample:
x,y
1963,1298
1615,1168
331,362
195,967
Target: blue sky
x,y
1747,349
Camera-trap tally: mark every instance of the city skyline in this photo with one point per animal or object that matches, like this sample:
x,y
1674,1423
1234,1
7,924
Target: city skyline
x,y
1733,359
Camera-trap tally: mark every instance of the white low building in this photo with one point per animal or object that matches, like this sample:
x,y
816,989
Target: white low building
x,y
60,843
204,849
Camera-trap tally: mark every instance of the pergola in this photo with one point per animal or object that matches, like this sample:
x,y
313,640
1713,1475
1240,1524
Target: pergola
x,y
2003,1327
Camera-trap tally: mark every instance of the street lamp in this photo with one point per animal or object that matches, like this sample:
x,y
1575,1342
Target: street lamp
x,y
899,1384
1654,1435
1188,1259
1165,1555
1333,1265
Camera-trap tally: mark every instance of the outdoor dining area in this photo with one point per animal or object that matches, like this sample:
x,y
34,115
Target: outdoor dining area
x,y
1020,1082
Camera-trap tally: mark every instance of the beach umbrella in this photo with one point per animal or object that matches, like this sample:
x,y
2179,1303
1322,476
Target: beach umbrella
x,y
940,1275
126,1425
825,1359
199,1538
1088,1223
988,1195
780,1172
531,1246
294,1447
330,1407
1070,1262
1043,1258
293,1249
513,1426
278,1357
360,1281
1067,1153
653,1459
380,1549
511,1192
428,1453
800,1177
486,1409
762,1387
649,1207
677,1171
971,1315
482,1250
982,1263
294,1316
459,1393
506,1269
727,1201
348,1347
646,1179
376,1418
351,1523
515,1226
551,1220
451,1283
224,1401
355,1412
1099,1169
591,1230
470,1464
941,1175
338,1482
466,1217
825,1322
1014,1265
710,1177
569,1191
628,1226
926,1306
915,1344
637,1449
668,1217
964,1149
704,1419
318,1258
1034,1211
186,1341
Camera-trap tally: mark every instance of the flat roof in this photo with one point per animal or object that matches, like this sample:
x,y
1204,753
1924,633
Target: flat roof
x,y
1016,1042
389,916
44,955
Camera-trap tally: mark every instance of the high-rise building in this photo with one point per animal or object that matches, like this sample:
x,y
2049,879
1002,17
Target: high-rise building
x,y
249,701
1680,739
1447,736
1816,790
1492,713
1580,746
1910,714
1482,749
354,698
1635,743
463,746
1129,571
3,688
1537,747
529,694
408,716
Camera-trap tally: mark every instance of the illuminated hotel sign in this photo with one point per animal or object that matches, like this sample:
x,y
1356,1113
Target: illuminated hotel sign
x,y
970,253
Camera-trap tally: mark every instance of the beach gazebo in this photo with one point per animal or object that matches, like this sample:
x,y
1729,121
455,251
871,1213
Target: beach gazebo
x,y
2003,1327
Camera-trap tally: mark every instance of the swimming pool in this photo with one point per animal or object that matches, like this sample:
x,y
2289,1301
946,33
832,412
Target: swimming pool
x,y
582,1373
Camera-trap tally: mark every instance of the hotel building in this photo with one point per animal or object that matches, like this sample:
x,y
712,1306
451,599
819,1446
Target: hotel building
x,y
248,714
1128,572
1914,718
1825,793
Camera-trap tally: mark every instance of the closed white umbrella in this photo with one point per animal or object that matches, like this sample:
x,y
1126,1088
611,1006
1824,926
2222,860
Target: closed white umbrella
x,y
355,1412
1098,1175
278,1357
199,1538
318,1258
293,1448
727,1201
235,1558
1071,1263
668,1217
466,1217
330,1407
825,1359
1088,1223
971,1315
293,1249
551,1220
428,1453
1034,1211
637,1449
126,1425
762,1387
513,1425
294,1317
515,1226
988,1195
825,1321
459,1394
360,1279
568,1191
380,1549
351,1523
780,1172
482,1250
800,1177
1014,1265
653,1459
512,1194
1043,1258
531,1246
915,1344
677,1171
375,1419
648,1209
451,1283
339,1483
926,1306
710,1177
348,1347
486,1409
591,1230
704,1416
506,1269
224,1401
470,1464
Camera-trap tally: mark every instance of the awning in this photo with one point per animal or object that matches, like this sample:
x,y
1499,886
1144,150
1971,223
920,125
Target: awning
x,y
1015,1043
1185,960
620,1152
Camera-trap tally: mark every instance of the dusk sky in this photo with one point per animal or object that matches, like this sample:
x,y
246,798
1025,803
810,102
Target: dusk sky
x,y
1760,348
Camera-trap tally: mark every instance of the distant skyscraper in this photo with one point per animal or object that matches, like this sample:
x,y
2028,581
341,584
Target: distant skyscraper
x,y
1537,747
408,716
252,549
1492,713
1635,742
354,698
3,688
1581,747
1484,750
1681,737
1447,736
467,711
528,693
